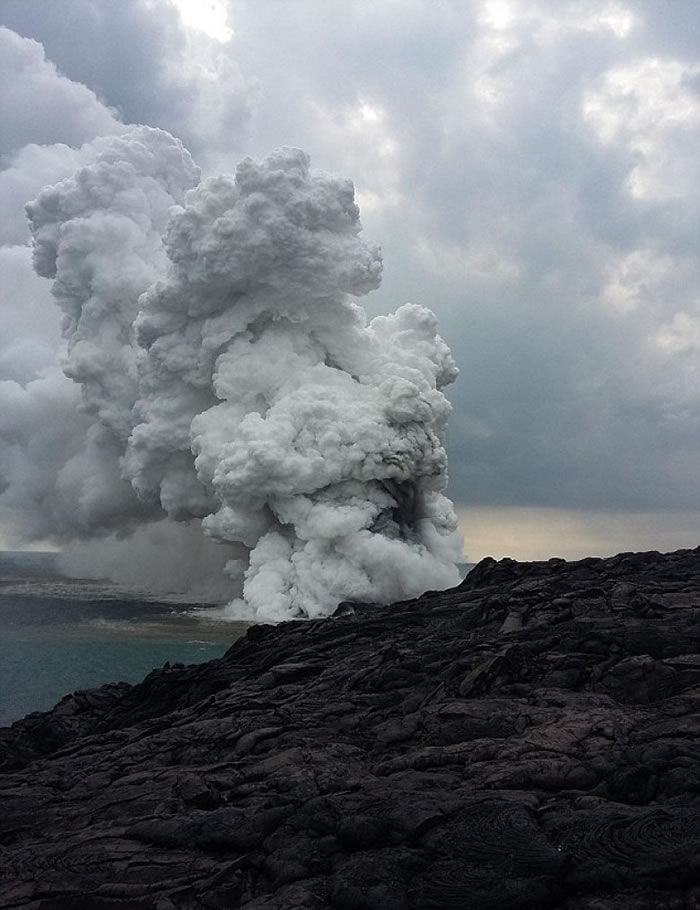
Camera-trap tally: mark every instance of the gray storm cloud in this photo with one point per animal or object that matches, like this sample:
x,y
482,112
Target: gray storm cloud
x,y
229,378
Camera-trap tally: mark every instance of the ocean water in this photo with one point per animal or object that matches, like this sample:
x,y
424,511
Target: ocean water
x,y
60,635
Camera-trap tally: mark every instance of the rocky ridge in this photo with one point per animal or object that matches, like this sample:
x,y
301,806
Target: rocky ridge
x,y
526,740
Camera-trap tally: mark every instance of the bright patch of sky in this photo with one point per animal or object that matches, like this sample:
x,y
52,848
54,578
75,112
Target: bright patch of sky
x,y
207,16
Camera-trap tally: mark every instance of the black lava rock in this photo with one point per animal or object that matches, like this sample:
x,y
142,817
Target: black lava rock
x,y
527,740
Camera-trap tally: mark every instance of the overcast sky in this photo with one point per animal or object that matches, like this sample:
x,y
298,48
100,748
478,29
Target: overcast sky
x,y
530,169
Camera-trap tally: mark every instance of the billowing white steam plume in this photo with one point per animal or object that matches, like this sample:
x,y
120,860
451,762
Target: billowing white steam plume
x,y
229,376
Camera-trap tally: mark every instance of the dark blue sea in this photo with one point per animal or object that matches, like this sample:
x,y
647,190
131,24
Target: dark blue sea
x,y
60,635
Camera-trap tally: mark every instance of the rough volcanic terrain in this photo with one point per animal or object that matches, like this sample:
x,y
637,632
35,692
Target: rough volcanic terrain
x,y
529,739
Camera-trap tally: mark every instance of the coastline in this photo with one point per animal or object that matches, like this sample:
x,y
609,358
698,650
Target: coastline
x,y
523,740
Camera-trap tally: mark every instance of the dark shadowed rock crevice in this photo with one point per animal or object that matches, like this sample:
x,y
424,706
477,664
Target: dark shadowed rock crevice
x,y
529,739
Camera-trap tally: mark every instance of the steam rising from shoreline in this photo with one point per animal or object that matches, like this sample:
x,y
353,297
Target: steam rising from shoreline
x,y
228,377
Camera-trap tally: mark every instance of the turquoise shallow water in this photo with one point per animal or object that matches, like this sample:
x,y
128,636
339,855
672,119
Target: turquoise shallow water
x,y
59,635
36,673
